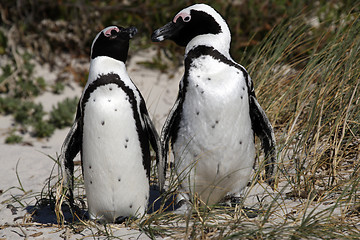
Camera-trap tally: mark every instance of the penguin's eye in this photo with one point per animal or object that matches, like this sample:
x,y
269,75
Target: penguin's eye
x,y
187,19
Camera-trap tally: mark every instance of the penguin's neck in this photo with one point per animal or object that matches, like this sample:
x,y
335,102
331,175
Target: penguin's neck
x,y
199,52
219,42
103,65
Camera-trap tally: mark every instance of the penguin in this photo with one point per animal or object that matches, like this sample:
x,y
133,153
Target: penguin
x,y
212,124
113,132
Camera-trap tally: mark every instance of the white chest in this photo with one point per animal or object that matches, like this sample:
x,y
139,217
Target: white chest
x,y
216,107
115,179
215,143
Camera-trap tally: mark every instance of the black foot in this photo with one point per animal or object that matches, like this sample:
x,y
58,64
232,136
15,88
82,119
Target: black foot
x,y
231,201
236,200
122,219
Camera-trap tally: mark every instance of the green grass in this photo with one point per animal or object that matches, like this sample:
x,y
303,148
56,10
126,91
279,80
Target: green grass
x,y
63,114
18,88
30,117
13,139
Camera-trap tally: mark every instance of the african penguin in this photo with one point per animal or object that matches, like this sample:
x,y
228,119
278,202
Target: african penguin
x,y
113,133
213,121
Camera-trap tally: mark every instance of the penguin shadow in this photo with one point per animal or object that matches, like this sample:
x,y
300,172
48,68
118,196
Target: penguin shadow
x,y
161,200
44,210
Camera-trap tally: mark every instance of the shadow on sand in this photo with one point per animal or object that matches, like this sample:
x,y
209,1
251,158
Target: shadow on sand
x,y
44,211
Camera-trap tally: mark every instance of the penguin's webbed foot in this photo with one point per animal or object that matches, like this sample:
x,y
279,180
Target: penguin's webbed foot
x,y
122,219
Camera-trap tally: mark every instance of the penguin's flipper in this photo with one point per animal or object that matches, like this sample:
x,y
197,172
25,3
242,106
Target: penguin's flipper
x,y
70,148
171,125
263,129
156,145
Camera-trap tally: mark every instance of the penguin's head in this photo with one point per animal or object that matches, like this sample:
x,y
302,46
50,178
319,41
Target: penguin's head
x,y
196,25
113,42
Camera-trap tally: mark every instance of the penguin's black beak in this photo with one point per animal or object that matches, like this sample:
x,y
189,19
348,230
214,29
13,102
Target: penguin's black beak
x,y
165,32
131,31
124,33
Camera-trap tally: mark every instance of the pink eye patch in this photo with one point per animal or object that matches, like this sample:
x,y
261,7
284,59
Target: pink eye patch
x,y
185,17
107,33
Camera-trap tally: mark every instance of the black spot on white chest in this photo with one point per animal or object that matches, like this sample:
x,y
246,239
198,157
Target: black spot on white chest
x,y
108,112
215,100
110,97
